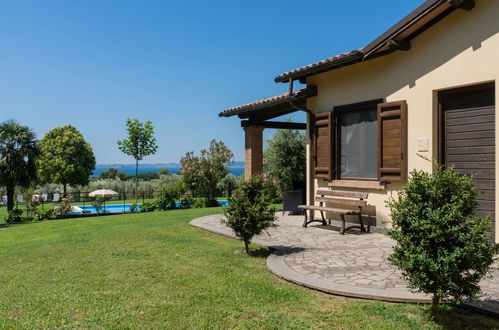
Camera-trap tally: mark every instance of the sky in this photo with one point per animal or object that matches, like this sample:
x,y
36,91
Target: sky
x,y
95,63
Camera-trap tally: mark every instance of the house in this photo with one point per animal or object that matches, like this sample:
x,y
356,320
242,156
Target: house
x,y
427,86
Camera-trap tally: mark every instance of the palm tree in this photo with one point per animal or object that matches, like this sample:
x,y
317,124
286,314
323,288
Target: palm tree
x,y
18,152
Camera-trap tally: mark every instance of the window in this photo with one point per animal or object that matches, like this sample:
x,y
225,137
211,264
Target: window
x,y
357,143
362,141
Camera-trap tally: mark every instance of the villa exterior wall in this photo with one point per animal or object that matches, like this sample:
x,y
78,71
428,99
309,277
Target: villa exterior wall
x,y
460,50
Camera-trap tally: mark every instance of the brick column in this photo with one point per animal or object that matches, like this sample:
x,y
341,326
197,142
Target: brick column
x,y
253,153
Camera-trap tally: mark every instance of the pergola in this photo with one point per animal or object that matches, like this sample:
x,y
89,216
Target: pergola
x,y
256,116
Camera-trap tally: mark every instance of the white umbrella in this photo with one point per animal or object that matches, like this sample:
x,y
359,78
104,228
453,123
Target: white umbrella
x,y
103,193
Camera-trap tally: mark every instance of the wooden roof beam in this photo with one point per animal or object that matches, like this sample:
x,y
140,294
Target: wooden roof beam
x,y
462,4
398,45
275,124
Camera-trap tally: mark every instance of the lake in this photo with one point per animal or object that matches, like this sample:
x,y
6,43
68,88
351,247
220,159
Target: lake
x,y
130,169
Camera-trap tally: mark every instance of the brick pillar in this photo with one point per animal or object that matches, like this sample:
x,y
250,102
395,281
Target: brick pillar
x,y
253,153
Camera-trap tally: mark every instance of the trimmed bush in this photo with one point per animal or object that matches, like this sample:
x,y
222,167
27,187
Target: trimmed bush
x,y
249,211
441,247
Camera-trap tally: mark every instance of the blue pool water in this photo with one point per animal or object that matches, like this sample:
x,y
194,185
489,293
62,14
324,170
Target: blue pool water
x,y
120,208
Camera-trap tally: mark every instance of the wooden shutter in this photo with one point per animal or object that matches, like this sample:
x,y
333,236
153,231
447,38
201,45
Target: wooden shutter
x,y
392,141
323,129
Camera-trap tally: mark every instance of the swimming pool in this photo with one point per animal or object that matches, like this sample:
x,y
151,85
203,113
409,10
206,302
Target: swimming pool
x,y
121,208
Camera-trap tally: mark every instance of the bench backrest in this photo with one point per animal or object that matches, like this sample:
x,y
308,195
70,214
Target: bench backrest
x,y
342,193
342,199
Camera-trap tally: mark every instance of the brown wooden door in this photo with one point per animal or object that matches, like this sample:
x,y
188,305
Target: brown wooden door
x,y
468,139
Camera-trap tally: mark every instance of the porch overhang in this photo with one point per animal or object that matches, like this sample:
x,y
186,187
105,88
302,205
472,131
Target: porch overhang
x,y
272,107
256,116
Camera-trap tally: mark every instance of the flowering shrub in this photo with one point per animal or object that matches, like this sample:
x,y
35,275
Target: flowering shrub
x,y
64,207
202,173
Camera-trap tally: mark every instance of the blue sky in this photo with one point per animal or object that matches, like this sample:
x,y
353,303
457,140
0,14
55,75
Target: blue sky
x,y
94,63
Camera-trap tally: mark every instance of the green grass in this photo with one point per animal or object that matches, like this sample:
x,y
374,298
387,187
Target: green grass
x,y
155,271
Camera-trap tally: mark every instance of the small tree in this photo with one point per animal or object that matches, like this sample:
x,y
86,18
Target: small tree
x,y
441,247
140,143
285,158
204,172
65,157
249,211
228,184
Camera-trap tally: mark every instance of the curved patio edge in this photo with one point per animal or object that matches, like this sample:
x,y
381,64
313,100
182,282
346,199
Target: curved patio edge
x,y
277,265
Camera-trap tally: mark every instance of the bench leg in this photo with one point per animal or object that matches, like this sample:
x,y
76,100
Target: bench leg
x,y
342,230
324,223
311,219
362,228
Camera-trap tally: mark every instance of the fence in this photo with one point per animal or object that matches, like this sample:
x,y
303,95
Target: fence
x,y
28,203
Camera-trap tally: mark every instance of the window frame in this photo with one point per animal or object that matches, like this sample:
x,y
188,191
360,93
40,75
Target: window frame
x,y
338,111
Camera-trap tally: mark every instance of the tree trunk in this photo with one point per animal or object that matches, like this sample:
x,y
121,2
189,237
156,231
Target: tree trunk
x,y
246,247
64,194
10,197
136,178
434,304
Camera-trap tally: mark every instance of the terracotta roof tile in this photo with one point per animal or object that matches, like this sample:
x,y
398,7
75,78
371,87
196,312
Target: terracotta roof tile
x,y
282,98
337,59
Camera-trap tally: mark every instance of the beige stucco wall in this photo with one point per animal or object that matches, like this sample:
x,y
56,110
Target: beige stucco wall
x,y
460,50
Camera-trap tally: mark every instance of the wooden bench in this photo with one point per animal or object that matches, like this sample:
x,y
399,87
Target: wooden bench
x,y
338,202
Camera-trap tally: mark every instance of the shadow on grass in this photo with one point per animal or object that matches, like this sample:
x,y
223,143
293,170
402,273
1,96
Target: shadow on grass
x,y
454,317
261,252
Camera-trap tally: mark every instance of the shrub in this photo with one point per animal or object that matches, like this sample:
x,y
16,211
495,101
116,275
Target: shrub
x,y
249,211
167,197
98,204
64,207
41,215
13,216
186,202
199,203
441,247
149,206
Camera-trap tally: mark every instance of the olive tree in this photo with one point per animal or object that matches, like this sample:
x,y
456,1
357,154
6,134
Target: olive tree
x,y
18,152
285,158
250,210
202,173
139,143
441,247
65,157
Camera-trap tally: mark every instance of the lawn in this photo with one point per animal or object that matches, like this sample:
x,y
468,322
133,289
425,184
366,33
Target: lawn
x,y
153,270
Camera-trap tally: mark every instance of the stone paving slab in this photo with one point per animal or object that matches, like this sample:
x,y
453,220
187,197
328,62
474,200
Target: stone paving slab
x,y
353,265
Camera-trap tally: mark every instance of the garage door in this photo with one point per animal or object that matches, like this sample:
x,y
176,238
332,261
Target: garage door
x,y
468,134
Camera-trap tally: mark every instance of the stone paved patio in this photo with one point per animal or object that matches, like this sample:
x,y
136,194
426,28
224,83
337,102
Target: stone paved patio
x,y
352,265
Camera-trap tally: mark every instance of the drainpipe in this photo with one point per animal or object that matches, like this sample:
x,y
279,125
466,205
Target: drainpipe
x,y
291,86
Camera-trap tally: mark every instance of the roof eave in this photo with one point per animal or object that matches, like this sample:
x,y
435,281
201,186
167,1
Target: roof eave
x,y
346,60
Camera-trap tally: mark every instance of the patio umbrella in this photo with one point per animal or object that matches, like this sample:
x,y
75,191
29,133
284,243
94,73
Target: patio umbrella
x,y
103,193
